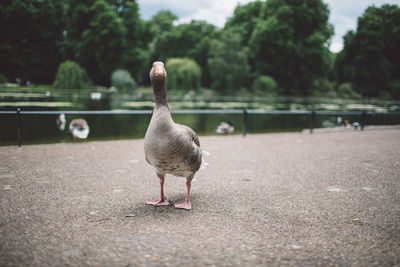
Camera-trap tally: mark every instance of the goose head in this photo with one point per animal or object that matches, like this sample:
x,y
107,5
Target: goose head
x,y
157,77
158,73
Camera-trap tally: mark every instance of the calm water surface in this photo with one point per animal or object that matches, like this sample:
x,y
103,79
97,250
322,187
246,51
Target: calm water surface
x,y
38,129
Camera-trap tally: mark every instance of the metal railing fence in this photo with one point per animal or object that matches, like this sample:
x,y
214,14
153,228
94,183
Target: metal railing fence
x,y
313,113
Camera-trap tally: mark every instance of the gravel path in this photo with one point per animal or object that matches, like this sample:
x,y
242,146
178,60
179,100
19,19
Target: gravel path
x,y
268,199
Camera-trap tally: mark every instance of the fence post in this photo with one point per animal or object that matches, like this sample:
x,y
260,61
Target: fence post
x,y
363,119
244,122
19,127
312,123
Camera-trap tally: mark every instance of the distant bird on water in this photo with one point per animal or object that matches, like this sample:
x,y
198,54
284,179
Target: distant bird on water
x,y
79,128
169,147
225,127
61,122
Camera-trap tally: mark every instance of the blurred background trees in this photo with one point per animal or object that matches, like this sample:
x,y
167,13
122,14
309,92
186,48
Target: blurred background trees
x,y
279,46
370,59
70,75
191,40
105,35
183,73
289,41
265,85
122,80
228,62
95,37
30,34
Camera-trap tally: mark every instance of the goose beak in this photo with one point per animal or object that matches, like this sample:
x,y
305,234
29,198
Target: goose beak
x,y
159,71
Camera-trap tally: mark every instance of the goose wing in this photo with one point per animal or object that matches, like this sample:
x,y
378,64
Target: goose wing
x,y
194,157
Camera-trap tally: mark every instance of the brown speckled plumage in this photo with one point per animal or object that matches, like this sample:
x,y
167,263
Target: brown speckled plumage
x,y
169,147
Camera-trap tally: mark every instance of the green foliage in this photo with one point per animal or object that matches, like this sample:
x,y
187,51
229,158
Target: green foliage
x,y
3,79
394,87
329,59
289,43
244,19
191,40
94,24
287,40
265,85
160,25
136,53
345,90
122,80
370,58
30,34
323,88
243,22
104,36
384,96
162,22
183,74
228,62
71,76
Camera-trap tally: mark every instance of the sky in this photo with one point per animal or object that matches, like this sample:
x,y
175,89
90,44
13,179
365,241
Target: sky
x,y
343,13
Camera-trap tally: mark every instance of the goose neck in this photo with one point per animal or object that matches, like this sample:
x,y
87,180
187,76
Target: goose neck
x,y
160,94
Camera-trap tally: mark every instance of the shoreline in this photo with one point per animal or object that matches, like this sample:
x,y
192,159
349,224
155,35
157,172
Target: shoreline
x,y
305,131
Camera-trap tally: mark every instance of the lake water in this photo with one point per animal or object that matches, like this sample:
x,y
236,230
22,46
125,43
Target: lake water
x,y
43,128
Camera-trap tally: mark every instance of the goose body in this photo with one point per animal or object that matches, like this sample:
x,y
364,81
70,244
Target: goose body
x,y
175,150
169,147
79,128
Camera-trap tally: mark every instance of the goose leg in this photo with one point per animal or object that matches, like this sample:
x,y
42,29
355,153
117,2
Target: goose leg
x,y
162,201
185,204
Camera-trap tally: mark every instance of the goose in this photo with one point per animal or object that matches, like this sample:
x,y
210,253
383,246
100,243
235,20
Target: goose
x,y
225,127
79,128
61,121
169,147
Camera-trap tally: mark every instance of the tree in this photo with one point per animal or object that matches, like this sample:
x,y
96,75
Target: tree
x,y
265,85
370,58
244,19
228,63
159,26
122,79
30,33
3,79
106,35
191,40
95,37
70,75
345,90
136,54
344,71
162,22
289,42
183,74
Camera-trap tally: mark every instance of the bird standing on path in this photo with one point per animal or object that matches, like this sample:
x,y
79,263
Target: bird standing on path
x,y
169,147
